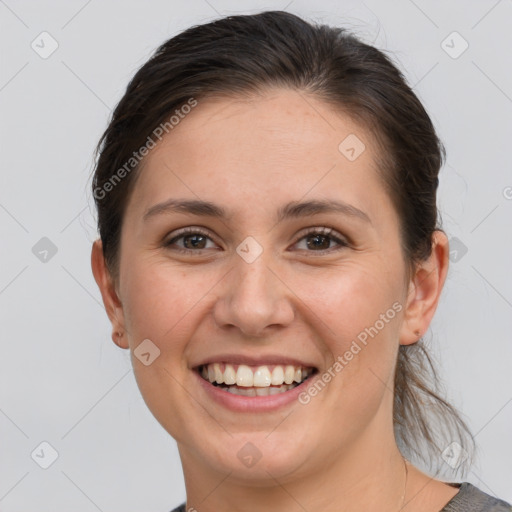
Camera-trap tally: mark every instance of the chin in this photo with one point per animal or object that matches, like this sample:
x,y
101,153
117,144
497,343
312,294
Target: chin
x,y
257,458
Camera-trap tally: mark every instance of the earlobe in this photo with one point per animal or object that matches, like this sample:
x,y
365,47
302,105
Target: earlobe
x,y
425,291
119,339
111,301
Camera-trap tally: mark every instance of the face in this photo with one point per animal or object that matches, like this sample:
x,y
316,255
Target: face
x,y
267,276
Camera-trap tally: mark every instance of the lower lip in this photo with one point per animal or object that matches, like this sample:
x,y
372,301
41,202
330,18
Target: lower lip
x,y
241,403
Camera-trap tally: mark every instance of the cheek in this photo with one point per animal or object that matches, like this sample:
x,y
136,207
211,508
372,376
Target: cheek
x,y
164,304
349,300
358,312
162,301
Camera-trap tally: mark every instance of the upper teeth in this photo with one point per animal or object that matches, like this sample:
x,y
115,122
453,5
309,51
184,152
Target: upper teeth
x,y
258,376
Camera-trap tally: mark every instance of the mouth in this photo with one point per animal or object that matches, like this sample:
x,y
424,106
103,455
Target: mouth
x,y
253,381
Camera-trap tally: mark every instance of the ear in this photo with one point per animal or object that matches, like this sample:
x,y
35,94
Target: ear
x,y
113,305
425,290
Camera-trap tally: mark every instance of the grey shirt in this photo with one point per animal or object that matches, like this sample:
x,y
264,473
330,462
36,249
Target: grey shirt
x,y
468,499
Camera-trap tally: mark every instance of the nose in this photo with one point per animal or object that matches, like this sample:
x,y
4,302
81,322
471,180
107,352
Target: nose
x,y
253,299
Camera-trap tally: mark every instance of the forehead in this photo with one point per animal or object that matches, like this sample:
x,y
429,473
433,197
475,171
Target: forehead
x,y
278,143
286,121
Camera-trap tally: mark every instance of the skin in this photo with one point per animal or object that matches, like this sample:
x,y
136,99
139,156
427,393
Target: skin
x,y
251,156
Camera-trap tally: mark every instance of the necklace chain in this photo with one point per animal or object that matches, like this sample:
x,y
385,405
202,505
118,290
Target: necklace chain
x,y
405,485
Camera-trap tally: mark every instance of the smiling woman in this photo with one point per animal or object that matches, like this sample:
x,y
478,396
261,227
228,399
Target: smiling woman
x,y
272,264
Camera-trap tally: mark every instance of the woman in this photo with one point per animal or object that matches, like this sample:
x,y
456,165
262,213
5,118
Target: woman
x,y
269,252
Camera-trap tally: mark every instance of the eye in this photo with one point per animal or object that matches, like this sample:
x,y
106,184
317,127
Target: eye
x,y
320,239
189,240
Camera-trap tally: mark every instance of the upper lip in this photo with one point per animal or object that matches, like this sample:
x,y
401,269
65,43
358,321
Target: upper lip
x,y
261,360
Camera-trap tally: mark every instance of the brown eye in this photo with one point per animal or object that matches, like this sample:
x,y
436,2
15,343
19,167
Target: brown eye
x,y
194,241
319,240
190,240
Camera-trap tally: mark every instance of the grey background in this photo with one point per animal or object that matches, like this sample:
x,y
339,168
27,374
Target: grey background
x,y
64,382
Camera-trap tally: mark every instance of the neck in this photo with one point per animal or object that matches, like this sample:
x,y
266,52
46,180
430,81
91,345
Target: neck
x,y
370,475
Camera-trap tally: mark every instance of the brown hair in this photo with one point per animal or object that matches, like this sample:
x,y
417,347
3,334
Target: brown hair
x,y
240,55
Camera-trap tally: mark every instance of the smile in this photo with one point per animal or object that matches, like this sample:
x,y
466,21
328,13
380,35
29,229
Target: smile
x,y
251,381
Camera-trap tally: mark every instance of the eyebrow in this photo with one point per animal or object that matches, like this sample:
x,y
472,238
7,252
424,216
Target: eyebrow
x,y
293,209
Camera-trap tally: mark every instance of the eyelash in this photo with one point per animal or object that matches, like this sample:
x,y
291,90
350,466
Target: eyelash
x,y
328,232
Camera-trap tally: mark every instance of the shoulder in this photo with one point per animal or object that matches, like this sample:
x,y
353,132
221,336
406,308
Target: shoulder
x,y
468,499
472,499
